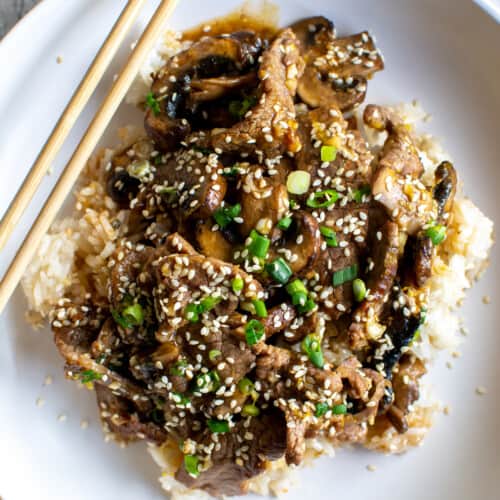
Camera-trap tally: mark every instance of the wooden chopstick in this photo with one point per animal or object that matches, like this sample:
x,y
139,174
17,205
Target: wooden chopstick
x,y
68,119
83,151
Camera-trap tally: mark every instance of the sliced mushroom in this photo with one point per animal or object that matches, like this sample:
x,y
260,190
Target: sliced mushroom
x,y
210,69
213,243
301,243
337,69
270,126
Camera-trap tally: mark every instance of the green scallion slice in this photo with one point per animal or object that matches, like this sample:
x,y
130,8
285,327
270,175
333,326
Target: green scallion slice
x,y
321,409
254,331
311,345
360,193
245,385
344,275
237,284
307,307
299,299
329,235
191,313
359,289
279,270
89,376
298,182
179,368
213,354
208,303
296,286
225,215
134,314
436,233
152,103
259,245
339,409
284,223
218,426
328,153
207,382
323,199
191,464
250,411
260,308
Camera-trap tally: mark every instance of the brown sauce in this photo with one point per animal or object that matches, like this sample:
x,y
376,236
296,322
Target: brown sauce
x,y
238,20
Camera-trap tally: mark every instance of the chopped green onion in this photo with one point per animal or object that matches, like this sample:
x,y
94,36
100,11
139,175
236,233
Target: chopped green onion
x,y
239,109
134,314
250,411
298,182
180,399
307,307
139,169
208,303
225,215
213,354
416,336
293,204
179,368
218,426
436,233
237,284
359,193
321,409
207,382
284,223
89,376
245,385
423,315
339,409
359,289
191,464
296,286
279,270
329,235
254,331
191,313
120,320
152,103
323,199
260,308
299,299
344,275
311,346
328,153
259,245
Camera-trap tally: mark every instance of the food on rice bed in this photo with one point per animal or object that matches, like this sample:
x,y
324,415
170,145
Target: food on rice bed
x,y
262,275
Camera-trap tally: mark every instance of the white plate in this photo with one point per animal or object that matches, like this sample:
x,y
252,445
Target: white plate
x,y
444,53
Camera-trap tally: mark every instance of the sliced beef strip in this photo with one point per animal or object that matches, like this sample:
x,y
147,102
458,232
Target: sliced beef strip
x,y
211,68
120,418
379,282
337,69
230,467
262,198
189,184
270,126
351,168
396,183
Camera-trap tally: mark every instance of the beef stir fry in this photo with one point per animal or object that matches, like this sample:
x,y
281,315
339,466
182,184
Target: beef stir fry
x,y
263,237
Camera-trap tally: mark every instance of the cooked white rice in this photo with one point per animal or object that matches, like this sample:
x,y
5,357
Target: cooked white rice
x,y
77,247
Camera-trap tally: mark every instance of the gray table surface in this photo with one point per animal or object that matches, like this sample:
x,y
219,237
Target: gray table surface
x,y
11,11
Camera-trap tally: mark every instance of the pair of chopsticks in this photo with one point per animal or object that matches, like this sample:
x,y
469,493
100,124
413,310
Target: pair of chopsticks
x,y
89,141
